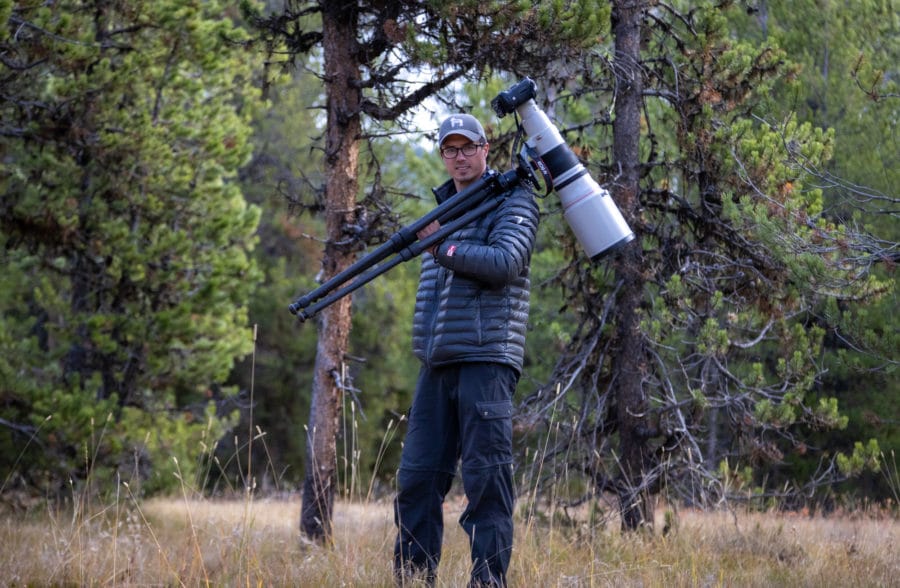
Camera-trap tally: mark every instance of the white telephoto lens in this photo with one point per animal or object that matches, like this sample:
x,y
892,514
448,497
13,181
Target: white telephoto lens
x,y
588,209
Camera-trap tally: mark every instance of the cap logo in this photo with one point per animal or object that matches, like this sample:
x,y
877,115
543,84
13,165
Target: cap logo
x,y
456,122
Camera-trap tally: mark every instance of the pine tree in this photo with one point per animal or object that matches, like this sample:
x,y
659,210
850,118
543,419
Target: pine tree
x,y
126,241
698,357
847,81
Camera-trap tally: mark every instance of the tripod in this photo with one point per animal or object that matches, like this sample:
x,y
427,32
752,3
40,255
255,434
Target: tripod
x,y
454,213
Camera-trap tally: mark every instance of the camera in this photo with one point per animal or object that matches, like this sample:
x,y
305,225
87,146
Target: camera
x,y
588,208
508,100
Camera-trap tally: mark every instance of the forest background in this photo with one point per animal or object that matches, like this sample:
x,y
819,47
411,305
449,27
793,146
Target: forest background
x,y
161,186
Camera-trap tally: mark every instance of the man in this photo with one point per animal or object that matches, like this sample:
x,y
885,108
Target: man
x,y
469,333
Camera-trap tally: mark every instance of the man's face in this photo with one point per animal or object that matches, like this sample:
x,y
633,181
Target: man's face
x,y
464,169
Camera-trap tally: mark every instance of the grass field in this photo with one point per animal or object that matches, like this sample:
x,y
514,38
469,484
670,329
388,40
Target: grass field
x,y
181,542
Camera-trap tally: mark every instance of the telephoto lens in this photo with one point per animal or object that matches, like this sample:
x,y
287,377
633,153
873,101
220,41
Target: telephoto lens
x,y
588,208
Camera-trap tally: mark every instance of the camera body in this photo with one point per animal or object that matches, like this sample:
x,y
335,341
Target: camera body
x,y
588,208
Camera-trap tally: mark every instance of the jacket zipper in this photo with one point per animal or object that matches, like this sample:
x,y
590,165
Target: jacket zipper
x,y
435,306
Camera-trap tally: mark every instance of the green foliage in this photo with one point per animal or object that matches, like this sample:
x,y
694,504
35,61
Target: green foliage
x,y
130,257
848,57
530,25
864,457
127,242
848,60
275,382
173,444
740,253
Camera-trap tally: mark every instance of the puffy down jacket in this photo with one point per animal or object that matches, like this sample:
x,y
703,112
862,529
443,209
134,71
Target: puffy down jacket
x,y
473,296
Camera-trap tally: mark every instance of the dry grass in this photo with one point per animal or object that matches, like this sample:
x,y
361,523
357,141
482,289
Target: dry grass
x,y
256,542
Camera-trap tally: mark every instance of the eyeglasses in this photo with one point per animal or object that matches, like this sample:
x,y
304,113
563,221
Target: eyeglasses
x,y
469,149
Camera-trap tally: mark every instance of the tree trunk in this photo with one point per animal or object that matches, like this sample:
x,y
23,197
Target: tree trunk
x,y
341,159
630,399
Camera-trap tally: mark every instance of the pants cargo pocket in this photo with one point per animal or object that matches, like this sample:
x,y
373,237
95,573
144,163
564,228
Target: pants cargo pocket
x,y
496,425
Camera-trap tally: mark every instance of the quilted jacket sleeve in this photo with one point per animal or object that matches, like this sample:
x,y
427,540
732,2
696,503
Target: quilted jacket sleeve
x,y
507,249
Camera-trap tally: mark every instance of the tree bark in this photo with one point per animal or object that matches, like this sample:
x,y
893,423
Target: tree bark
x,y
342,75
630,398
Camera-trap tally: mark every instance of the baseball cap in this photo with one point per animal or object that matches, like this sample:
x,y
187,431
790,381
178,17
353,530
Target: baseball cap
x,y
461,124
